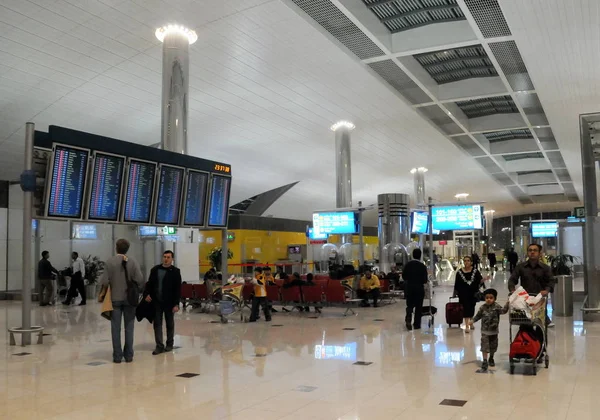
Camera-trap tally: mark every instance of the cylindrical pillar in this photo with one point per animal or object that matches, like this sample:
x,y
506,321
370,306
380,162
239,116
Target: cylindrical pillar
x,y
224,252
175,86
420,200
27,213
394,224
343,168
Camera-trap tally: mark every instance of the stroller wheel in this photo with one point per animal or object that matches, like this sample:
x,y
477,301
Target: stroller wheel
x,y
547,361
512,369
534,370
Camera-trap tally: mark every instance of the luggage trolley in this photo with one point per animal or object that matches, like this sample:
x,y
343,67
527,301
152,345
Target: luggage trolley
x,y
429,310
539,328
231,302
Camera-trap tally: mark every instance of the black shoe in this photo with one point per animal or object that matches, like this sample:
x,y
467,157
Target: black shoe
x,y
268,319
44,304
66,303
416,327
484,366
491,362
158,350
365,305
128,360
168,349
116,361
273,310
252,320
82,304
317,310
375,305
409,327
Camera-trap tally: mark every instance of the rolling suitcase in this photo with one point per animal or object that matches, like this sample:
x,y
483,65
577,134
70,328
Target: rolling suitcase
x,y
454,313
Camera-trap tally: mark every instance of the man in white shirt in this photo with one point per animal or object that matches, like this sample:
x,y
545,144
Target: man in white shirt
x,y
77,276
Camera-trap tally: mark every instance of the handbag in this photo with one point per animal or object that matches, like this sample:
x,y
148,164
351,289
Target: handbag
x,y
133,290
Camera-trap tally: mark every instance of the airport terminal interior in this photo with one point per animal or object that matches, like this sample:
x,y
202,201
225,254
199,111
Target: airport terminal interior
x,y
299,209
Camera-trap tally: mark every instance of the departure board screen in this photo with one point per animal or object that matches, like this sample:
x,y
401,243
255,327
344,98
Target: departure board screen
x,y
218,208
105,190
140,184
195,198
67,182
168,199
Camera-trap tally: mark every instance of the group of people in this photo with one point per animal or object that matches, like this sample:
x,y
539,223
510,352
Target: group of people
x,y
47,273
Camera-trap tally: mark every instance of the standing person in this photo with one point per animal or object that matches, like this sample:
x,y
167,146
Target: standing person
x,y
368,288
489,314
493,262
270,282
164,290
476,260
77,275
260,296
45,272
467,284
535,276
415,278
513,259
118,271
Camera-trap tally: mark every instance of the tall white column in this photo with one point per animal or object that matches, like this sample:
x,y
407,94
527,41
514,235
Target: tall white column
x,y
420,200
343,168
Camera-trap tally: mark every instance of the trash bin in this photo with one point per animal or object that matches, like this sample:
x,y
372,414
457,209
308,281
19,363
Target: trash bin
x,y
562,299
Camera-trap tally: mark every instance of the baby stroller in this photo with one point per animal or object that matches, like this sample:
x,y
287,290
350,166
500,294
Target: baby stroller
x,y
529,345
429,310
231,301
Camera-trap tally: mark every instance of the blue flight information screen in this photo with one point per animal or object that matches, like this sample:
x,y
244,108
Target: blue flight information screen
x,y
334,223
544,230
140,184
195,199
420,222
465,217
105,191
218,208
168,200
67,182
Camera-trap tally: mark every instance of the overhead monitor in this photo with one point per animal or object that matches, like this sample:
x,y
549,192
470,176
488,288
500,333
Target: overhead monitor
x,y
138,195
464,217
105,189
194,211
168,196
148,231
313,236
84,231
420,222
544,229
218,208
335,223
67,182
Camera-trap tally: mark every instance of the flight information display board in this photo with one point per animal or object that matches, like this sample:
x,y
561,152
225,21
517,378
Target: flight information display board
x,y
105,189
84,231
168,197
544,230
334,223
195,198
420,222
140,186
465,217
218,208
67,182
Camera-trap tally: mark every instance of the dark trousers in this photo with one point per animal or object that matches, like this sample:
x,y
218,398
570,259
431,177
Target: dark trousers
x,y
46,292
257,302
512,266
159,311
366,294
414,302
76,285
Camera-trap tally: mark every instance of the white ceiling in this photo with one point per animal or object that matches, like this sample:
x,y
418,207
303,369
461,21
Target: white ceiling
x,y
265,85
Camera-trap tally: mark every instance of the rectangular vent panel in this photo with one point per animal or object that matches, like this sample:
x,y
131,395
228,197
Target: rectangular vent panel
x,y
503,179
489,17
489,165
457,64
556,160
509,58
497,136
342,28
391,73
520,156
563,175
468,145
475,108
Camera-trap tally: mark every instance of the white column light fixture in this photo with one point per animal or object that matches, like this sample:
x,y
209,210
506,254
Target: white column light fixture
x,y
344,124
176,29
461,195
421,169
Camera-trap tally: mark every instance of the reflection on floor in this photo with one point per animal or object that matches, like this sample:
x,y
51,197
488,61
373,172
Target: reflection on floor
x,y
304,370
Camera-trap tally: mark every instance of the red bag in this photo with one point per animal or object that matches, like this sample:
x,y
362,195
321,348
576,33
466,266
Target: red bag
x,y
525,346
454,313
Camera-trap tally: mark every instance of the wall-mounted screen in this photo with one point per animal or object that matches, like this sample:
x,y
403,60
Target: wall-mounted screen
x,y
138,196
194,211
168,196
84,231
333,223
67,182
105,188
313,236
218,208
465,217
148,231
420,222
544,229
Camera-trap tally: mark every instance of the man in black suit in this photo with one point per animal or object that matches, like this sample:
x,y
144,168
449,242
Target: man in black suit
x,y
164,289
415,278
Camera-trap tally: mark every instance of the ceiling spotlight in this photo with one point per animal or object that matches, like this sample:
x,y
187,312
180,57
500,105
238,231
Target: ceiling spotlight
x,y
461,195
162,32
421,169
345,124
490,211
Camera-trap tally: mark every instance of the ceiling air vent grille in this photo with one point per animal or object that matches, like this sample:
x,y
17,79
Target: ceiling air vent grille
x,y
489,17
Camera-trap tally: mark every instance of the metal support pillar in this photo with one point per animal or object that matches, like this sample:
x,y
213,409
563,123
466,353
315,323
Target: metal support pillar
x,y
361,239
420,200
431,263
27,216
343,168
224,252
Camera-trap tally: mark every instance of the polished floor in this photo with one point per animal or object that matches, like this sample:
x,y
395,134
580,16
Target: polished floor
x,y
297,367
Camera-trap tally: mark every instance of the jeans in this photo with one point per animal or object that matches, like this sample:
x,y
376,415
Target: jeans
x,y
159,310
46,291
122,309
256,303
414,302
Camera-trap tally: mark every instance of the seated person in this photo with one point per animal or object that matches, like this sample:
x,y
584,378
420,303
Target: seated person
x,y
368,288
294,281
308,283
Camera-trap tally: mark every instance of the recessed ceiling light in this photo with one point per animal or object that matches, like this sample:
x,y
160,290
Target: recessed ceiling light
x,y
421,169
339,124
461,195
176,29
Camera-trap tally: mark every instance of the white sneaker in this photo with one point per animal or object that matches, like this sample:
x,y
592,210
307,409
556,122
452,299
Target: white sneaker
x,y
551,325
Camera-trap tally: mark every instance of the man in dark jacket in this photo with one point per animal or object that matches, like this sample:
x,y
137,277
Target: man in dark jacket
x,y
45,271
415,278
513,259
164,289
